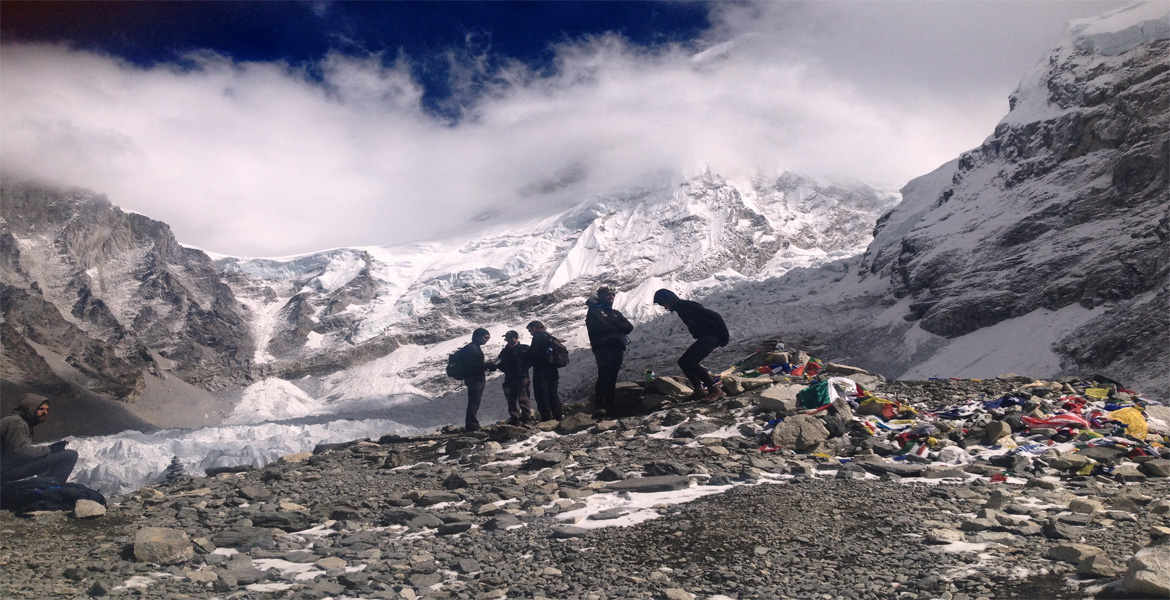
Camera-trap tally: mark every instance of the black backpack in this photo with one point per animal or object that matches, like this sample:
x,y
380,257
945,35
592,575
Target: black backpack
x,y
457,364
558,355
41,494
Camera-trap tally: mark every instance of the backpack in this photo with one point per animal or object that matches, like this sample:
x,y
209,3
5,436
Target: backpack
x,y
558,355
41,494
457,364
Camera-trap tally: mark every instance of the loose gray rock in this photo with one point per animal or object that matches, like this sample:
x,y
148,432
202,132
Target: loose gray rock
x,y
1159,467
799,432
1073,553
162,546
567,531
88,509
1148,571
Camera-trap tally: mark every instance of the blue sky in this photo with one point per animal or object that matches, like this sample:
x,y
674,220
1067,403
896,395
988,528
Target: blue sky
x,y
439,35
274,128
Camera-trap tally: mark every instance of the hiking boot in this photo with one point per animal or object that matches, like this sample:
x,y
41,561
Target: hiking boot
x,y
472,427
716,395
599,414
697,396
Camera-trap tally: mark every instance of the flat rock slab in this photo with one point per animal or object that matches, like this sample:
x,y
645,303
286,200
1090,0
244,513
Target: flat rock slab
x,y
567,531
663,483
900,469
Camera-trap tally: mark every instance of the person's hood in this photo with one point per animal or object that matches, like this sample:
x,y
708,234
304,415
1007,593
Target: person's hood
x,y
28,406
591,302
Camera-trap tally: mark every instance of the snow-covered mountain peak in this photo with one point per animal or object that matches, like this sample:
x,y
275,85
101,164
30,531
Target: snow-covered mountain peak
x,y
1087,66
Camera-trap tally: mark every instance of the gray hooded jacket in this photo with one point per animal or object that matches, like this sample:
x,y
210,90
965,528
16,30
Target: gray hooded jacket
x,y
16,447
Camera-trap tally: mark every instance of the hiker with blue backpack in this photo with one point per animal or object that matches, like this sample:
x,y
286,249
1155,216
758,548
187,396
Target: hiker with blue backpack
x,y
19,457
709,331
546,354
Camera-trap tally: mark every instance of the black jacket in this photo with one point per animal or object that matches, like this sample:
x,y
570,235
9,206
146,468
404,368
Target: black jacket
x,y
702,322
606,325
513,363
538,355
473,360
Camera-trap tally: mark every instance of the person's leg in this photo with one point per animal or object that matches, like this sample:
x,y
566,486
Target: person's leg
x,y
690,361
524,399
511,393
599,395
540,387
554,398
58,465
474,396
609,363
64,461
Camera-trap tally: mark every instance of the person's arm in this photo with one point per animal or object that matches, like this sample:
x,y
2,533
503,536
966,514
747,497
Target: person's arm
x,y
18,443
621,324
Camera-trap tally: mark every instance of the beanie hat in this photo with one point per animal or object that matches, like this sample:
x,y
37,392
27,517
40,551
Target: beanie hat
x,y
665,297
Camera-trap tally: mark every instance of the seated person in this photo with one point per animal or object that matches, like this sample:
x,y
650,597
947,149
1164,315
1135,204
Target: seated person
x,y
19,458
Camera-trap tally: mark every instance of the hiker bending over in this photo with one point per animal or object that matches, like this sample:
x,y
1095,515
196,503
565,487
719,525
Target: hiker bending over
x,y
607,337
545,377
709,331
19,458
513,362
475,368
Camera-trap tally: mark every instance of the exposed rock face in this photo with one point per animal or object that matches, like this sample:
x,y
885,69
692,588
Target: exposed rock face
x,y
113,294
1064,204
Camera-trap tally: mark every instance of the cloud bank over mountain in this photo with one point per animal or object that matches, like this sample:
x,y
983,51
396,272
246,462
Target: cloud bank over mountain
x,y
272,158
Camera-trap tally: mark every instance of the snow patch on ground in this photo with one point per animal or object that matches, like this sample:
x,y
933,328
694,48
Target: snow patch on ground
x,y
1019,345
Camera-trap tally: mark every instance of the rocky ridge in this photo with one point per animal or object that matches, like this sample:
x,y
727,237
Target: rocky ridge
x,y
712,501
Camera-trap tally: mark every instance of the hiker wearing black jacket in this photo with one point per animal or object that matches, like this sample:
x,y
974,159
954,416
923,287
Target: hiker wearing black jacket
x,y
475,380
709,331
607,337
513,362
545,377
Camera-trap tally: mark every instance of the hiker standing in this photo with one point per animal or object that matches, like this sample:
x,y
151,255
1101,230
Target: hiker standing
x,y
19,458
607,337
709,331
545,377
474,378
513,361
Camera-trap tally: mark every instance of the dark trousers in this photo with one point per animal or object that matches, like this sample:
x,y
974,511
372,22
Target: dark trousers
x,y
544,391
689,363
609,362
57,466
474,396
516,393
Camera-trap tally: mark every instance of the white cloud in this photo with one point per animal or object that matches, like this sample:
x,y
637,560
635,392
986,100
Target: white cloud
x,y
266,159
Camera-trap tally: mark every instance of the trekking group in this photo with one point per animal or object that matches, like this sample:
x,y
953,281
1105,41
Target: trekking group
x,y
608,331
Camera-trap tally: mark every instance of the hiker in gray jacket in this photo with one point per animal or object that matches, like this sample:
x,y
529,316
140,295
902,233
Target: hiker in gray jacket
x,y
19,458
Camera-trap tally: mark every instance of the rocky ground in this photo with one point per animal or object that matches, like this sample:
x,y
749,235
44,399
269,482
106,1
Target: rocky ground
x,y
683,501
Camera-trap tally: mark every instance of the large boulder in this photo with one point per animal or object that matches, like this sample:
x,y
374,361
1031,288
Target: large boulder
x,y
779,398
1149,570
799,432
162,546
